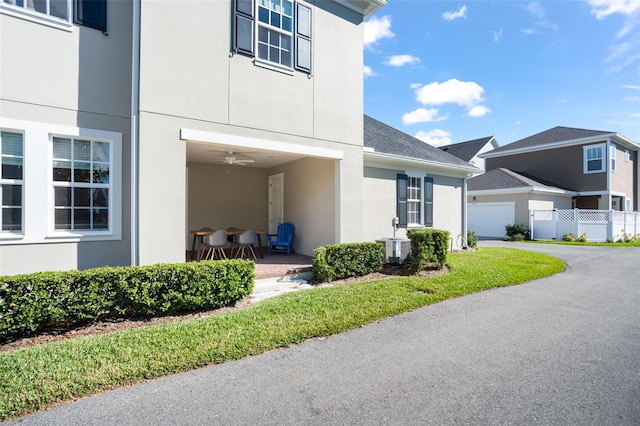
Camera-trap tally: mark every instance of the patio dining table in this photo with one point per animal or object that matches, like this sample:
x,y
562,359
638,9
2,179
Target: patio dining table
x,y
199,234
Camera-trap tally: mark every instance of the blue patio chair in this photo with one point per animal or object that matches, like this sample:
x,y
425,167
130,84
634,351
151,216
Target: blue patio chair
x,y
282,241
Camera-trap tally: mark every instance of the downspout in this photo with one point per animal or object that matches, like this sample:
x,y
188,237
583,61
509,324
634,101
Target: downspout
x,y
135,112
609,171
465,243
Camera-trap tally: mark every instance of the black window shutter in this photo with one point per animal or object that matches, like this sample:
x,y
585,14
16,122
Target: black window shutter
x,y
401,199
91,13
243,27
303,38
428,201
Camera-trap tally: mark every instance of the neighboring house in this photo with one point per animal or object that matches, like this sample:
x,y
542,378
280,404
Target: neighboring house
x,y
559,168
470,151
413,181
122,123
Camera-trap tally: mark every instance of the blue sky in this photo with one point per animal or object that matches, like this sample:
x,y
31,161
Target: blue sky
x,y
450,71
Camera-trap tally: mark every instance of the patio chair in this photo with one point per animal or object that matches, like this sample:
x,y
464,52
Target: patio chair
x,y
213,244
282,240
245,242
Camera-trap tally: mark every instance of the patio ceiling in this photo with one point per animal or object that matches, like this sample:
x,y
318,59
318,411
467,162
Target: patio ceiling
x,y
215,154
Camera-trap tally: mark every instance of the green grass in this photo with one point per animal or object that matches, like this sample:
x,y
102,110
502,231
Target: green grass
x,y
34,378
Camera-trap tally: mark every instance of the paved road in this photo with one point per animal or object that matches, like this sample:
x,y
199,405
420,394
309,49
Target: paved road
x,y
559,351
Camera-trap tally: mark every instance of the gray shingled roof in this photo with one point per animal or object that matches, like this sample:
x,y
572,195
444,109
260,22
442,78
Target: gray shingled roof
x,y
501,178
466,150
387,140
557,134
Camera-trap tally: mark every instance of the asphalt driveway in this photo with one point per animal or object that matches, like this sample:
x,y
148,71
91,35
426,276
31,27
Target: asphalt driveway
x,y
559,351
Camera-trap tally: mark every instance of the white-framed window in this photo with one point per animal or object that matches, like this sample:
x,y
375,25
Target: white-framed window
x,y
594,161
414,199
81,170
11,181
59,13
277,33
627,156
612,157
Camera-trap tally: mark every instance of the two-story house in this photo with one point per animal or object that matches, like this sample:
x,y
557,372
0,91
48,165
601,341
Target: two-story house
x,y
126,124
560,168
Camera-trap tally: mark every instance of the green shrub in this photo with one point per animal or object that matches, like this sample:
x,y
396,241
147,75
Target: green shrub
x,y
517,232
582,238
472,240
429,248
339,261
33,302
569,237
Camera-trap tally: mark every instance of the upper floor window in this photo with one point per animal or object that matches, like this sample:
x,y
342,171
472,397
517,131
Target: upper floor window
x,y
594,161
89,13
612,157
11,180
283,29
81,184
414,200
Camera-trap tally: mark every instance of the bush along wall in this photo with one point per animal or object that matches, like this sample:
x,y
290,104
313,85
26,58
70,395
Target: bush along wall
x,y
339,261
31,303
429,248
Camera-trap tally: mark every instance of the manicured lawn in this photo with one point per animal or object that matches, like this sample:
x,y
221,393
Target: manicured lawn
x,y
37,377
576,243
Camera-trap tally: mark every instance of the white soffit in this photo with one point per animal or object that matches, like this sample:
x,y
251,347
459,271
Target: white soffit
x,y
256,143
364,7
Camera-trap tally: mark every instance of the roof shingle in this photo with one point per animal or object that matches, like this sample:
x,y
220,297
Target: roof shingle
x,y
468,149
557,134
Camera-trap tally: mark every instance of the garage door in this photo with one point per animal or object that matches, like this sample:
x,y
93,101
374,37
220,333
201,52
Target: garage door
x,y
489,219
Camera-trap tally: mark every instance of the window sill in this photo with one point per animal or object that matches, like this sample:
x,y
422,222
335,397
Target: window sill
x,y
593,171
10,236
36,17
271,66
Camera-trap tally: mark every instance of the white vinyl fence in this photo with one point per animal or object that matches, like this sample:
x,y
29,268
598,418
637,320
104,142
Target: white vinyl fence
x,y
598,225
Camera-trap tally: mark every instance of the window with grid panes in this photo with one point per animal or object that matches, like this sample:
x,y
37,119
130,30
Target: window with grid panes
x,y
11,180
89,13
81,184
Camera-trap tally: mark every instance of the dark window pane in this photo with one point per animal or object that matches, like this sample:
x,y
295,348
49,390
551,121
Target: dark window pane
x,y
100,173
12,195
12,219
38,5
81,172
62,171
263,51
63,219
273,55
82,197
287,7
245,6
82,219
62,197
263,15
274,38
286,58
11,168
263,35
101,197
286,23
59,9
275,19
100,218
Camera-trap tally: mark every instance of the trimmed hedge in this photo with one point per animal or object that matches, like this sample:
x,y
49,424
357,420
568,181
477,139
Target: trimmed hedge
x,y
429,248
339,261
34,302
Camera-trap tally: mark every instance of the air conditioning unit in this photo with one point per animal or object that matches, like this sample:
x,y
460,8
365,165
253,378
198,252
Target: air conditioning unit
x,y
397,250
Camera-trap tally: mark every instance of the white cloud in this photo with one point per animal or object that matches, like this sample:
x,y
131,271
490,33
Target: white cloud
x,y
603,8
630,86
367,71
535,9
528,31
422,115
479,111
632,99
402,60
436,137
497,35
460,13
464,93
376,29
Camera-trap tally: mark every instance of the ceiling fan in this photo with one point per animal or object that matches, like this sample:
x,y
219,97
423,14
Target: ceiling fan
x,y
232,160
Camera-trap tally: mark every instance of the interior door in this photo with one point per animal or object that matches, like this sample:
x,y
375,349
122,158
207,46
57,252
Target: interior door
x,y
276,201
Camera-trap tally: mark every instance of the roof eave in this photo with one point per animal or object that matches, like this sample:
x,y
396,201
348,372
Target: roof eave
x,y
365,7
599,138
467,171
521,189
